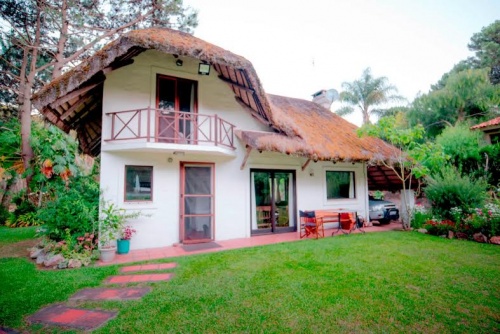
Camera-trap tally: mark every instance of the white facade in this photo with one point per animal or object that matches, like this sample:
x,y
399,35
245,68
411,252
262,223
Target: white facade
x,y
134,86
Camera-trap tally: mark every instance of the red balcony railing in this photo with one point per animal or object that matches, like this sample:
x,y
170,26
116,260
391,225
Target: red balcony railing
x,y
163,126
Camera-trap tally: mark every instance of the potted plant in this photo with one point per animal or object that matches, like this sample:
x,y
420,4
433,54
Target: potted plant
x,y
123,243
111,223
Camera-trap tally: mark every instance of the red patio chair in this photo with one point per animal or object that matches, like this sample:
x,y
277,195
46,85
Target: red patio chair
x,y
310,225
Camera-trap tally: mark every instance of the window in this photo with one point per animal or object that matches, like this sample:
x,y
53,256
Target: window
x,y
495,138
138,183
340,185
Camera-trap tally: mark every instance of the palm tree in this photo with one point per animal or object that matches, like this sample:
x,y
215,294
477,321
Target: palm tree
x,y
365,93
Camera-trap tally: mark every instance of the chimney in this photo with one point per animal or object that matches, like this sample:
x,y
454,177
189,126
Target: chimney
x,y
325,98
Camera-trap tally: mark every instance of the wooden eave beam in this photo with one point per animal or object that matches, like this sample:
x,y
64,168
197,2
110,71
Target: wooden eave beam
x,y
72,95
247,155
228,81
75,106
304,166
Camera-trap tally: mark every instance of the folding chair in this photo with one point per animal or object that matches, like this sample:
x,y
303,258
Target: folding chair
x,y
347,222
310,225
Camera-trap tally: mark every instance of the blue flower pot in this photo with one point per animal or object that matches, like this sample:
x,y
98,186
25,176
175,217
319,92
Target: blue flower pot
x,y
123,246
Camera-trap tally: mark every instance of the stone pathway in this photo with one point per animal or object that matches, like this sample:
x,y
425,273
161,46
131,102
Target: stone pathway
x,y
87,319
110,294
125,279
61,315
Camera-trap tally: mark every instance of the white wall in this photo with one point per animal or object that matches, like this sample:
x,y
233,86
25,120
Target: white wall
x,y
132,87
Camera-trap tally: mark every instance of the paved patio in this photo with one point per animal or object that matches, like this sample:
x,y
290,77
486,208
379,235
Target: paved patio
x,y
174,251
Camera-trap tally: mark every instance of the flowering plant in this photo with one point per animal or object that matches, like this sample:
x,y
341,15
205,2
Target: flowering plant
x,y
126,233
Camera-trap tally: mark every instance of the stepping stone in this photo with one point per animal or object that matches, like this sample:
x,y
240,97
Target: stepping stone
x,y
124,279
60,315
148,267
110,294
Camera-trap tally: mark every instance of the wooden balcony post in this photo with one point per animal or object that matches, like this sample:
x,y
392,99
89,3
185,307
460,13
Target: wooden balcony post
x,y
113,126
148,124
216,127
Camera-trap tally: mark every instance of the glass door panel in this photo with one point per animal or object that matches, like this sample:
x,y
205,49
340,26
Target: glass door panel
x,y
283,193
197,203
176,100
273,201
165,101
262,188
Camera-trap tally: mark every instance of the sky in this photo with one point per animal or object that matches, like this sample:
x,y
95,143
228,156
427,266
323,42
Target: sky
x,y
299,47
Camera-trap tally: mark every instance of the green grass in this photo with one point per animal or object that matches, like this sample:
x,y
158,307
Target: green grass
x,y
390,282
11,235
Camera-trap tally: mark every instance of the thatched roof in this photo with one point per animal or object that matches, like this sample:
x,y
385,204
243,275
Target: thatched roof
x,y
320,134
299,127
74,100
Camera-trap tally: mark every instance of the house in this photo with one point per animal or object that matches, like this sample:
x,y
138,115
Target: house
x,y
491,130
187,134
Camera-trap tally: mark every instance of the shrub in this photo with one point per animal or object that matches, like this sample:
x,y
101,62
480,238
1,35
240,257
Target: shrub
x,y
442,227
492,155
486,221
453,190
420,216
75,208
83,250
23,220
4,214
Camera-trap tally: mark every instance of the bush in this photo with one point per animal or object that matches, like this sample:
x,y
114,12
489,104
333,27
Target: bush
x,y
23,220
486,221
452,190
492,153
434,227
24,215
75,208
420,216
4,214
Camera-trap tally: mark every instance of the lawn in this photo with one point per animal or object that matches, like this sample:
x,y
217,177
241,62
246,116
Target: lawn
x,y
390,282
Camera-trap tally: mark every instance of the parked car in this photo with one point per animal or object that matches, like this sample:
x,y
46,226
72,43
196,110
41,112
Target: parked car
x,y
383,211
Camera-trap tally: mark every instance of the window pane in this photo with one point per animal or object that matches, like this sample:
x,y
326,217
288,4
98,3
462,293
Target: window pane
x,y
138,183
340,185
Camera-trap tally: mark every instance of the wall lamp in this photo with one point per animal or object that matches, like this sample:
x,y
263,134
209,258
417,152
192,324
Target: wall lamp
x,y
179,62
204,69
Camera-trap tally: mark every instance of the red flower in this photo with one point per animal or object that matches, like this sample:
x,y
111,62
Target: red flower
x,y
47,168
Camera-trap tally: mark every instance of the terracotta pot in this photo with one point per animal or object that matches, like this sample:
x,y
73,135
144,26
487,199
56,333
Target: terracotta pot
x,y
108,254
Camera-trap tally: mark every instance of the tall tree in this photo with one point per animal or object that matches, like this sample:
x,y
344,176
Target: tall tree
x,y
466,95
46,36
486,45
366,93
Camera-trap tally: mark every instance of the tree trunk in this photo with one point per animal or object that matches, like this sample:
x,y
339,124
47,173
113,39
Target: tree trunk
x,y
366,117
61,43
25,117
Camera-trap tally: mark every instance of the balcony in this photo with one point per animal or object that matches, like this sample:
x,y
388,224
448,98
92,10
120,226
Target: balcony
x,y
170,128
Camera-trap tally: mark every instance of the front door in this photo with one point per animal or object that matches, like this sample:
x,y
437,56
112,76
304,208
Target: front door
x,y
273,201
197,203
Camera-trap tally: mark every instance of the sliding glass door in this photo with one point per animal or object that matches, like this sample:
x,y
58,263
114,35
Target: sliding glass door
x,y
273,201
